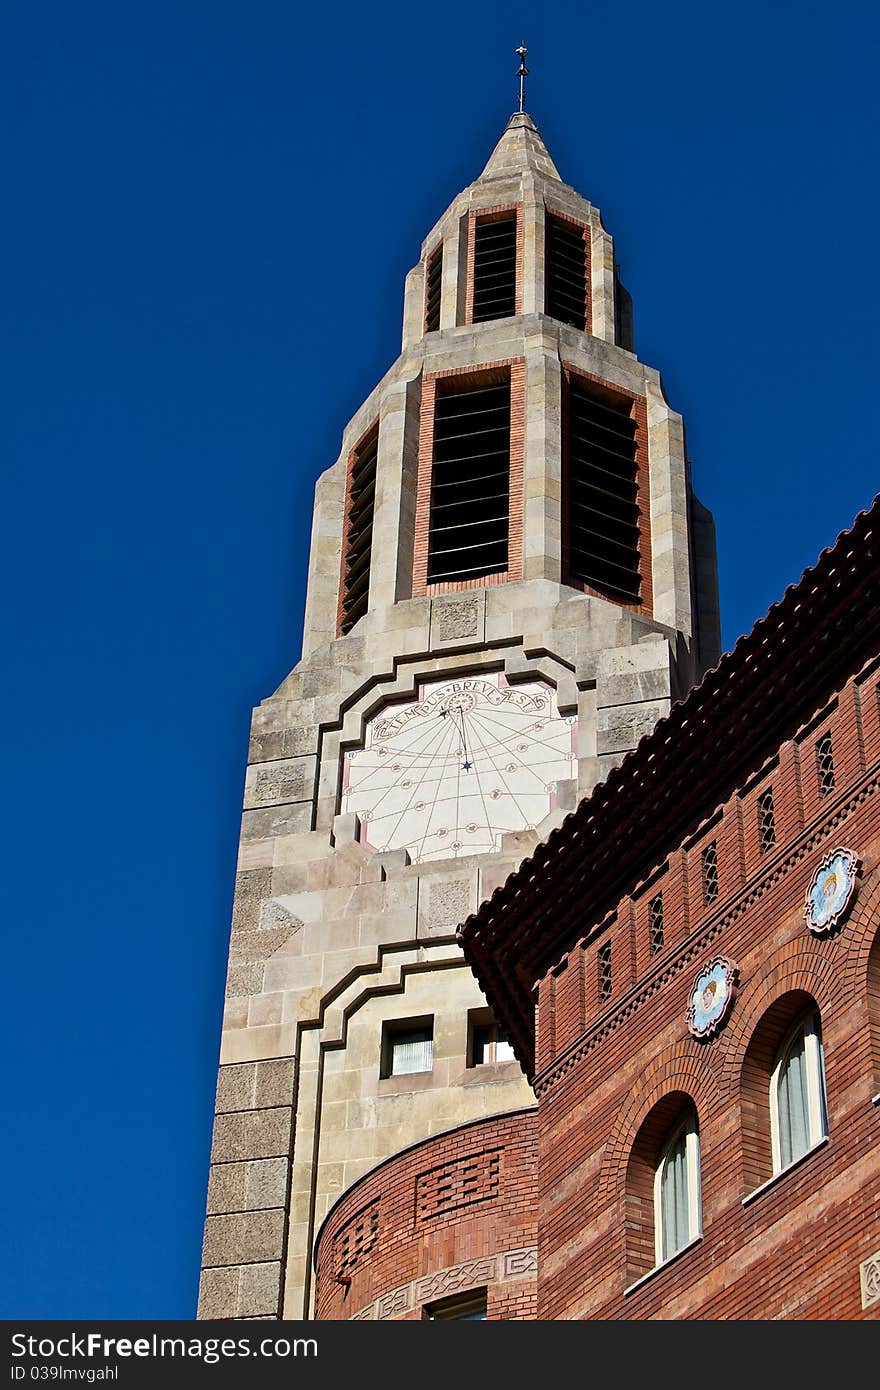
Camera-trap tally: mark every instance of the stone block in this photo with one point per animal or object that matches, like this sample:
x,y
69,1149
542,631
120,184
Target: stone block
x,y
266,1183
271,822
251,887
444,903
251,1134
457,618
218,1293
274,1083
259,1290
243,1238
244,979
227,1188
235,1088
621,727
277,783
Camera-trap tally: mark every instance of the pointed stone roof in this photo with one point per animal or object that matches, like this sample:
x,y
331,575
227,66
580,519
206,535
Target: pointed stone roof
x,y
519,148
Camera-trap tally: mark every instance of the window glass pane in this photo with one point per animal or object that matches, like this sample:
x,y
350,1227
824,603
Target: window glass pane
x,y
490,1045
469,1308
793,1102
411,1052
674,1199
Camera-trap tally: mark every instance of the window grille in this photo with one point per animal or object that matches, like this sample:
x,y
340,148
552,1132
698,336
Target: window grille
x,y
359,532
825,764
566,262
603,959
495,269
470,484
433,288
407,1048
655,923
709,872
601,503
766,820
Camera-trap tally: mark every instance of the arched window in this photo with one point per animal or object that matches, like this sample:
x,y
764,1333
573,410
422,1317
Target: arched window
x,y
677,1206
798,1113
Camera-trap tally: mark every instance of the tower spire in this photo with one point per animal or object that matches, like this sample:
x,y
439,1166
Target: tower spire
x,y
522,74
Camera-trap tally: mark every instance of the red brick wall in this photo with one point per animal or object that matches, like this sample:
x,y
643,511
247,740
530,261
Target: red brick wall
x,y
454,1213
793,1249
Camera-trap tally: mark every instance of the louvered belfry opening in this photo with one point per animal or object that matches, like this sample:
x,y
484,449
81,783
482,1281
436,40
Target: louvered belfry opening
x,y
433,287
470,482
359,532
566,271
601,492
494,268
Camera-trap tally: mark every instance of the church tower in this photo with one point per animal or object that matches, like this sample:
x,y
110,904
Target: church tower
x,y
510,581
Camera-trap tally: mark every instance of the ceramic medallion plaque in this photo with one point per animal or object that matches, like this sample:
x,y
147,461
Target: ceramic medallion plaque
x,y
712,997
831,891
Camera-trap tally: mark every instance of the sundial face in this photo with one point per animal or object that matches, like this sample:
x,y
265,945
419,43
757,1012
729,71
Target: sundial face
x,y
451,772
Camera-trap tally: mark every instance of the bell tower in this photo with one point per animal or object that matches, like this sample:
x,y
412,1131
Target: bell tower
x,y
510,581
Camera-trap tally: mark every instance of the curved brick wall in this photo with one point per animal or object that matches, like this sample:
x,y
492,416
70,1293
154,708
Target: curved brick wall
x,y
454,1213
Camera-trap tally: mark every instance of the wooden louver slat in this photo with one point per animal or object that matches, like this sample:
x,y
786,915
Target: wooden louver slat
x,y
433,289
566,270
359,533
602,512
495,269
470,485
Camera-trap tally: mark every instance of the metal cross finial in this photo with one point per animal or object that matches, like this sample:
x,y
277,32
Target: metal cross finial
x,y
523,72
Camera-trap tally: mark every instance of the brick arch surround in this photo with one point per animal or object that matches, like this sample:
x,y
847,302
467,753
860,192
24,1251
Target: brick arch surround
x,y
804,964
754,1091
685,1070
654,1131
859,930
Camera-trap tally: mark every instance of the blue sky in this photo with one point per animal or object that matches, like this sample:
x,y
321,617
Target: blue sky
x,y
209,213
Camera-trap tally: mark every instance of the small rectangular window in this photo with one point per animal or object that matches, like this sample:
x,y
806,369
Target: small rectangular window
x,y
471,1306
825,765
494,268
603,961
433,290
766,821
407,1047
655,923
488,1042
709,872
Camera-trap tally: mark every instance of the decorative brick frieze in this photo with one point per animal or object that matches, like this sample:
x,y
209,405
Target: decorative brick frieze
x,y
473,1274
459,1184
353,1243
